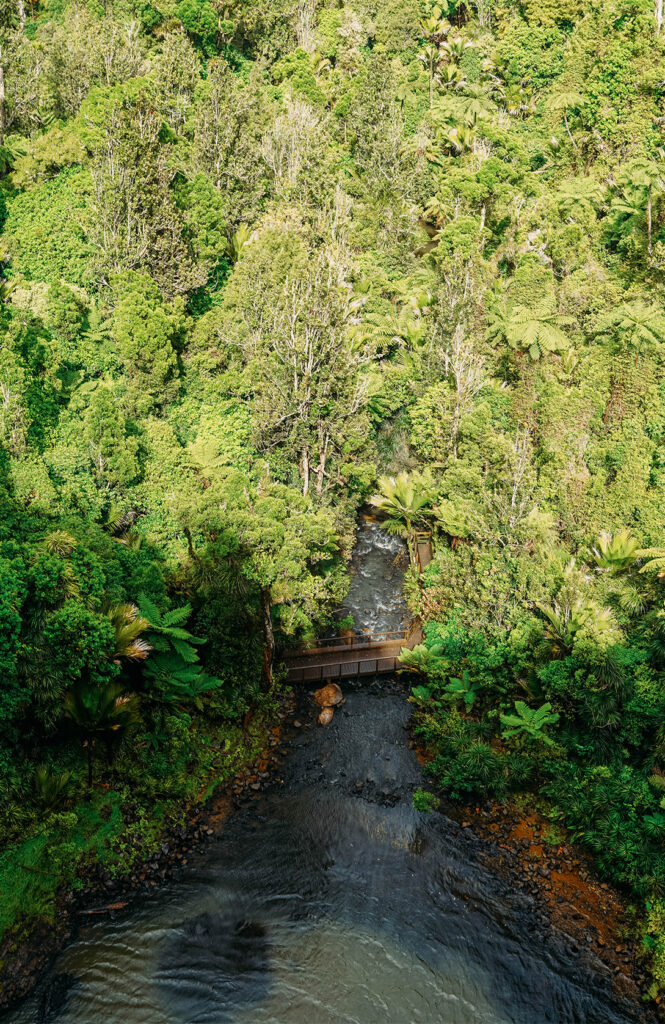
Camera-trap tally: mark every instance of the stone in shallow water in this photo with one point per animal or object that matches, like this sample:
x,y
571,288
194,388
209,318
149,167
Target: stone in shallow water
x,y
328,696
326,716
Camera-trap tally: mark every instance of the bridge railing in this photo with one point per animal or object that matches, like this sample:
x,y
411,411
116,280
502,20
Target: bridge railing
x,y
355,640
356,654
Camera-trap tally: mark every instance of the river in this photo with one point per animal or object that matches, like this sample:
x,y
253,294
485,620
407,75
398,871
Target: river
x,y
327,899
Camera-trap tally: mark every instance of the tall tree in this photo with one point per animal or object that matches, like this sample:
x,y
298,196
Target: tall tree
x,y
135,223
308,396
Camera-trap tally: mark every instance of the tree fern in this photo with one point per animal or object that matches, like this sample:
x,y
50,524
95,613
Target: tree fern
x,y
529,722
535,331
655,560
150,610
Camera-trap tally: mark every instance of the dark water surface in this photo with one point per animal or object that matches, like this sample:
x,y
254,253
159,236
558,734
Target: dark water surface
x,y
328,900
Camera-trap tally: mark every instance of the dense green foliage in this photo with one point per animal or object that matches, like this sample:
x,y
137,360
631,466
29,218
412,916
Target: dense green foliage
x,y
258,257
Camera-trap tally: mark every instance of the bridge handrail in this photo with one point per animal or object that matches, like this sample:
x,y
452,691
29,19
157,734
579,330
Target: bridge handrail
x,y
360,639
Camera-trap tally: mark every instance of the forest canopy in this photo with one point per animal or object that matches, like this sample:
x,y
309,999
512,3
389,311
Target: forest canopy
x,y
262,262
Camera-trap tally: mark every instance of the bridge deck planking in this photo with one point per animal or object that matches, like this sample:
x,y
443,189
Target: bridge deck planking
x,y
335,663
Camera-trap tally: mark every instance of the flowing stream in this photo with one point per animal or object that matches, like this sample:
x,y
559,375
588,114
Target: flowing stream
x,y
326,899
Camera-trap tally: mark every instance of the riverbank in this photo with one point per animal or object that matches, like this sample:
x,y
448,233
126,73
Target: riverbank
x,y
522,844
136,857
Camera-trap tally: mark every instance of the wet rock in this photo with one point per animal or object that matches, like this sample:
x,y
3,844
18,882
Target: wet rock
x,y
328,696
325,716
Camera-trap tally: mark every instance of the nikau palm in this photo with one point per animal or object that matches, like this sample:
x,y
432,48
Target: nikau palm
x,y
435,29
615,551
460,139
405,501
128,625
50,787
96,711
563,623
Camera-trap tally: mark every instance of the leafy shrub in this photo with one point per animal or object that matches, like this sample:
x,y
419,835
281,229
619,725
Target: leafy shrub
x,y
424,801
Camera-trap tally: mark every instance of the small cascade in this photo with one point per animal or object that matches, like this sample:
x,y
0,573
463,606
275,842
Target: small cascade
x,y
376,598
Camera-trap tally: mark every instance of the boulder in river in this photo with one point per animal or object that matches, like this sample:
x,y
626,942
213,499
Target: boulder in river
x,y
326,716
328,696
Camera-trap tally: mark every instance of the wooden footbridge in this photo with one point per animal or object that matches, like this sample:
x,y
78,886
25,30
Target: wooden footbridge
x,y
348,656
357,653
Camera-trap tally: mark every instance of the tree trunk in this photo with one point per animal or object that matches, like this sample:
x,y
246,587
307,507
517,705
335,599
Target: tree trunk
x,y
21,14
431,80
222,15
268,640
565,121
190,545
411,544
658,14
2,98
455,425
321,468
89,764
649,221
305,472
320,473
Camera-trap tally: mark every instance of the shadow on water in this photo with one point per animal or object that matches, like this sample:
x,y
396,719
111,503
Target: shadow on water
x,y
328,899
55,997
